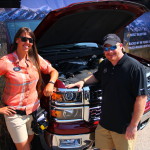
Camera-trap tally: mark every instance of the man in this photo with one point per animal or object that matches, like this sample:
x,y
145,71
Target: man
x,y
123,82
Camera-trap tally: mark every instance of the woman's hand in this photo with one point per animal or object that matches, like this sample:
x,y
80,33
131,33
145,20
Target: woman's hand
x,y
78,84
8,110
48,90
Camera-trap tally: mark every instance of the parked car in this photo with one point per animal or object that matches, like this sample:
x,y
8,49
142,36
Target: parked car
x,y
70,38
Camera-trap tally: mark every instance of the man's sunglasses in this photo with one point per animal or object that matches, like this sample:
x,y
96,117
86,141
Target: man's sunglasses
x,y
25,39
112,48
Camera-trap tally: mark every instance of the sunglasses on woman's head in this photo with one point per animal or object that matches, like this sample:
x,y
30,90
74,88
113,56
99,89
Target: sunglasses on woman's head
x,y
112,48
25,39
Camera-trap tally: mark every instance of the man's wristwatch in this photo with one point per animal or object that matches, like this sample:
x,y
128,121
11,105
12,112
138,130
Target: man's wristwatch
x,y
51,82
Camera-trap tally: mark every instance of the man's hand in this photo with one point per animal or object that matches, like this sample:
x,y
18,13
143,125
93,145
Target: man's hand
x,y
78,84
131,132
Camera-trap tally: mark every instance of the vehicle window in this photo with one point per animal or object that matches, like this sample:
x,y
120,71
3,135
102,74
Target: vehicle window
x,y
87,44
75,45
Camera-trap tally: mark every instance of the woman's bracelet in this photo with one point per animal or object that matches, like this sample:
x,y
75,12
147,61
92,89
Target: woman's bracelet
x,y
51,82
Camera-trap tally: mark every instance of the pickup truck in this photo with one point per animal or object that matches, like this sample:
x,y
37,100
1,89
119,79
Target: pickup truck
x,y
70,39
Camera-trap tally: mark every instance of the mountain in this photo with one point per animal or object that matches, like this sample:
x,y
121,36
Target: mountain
x,y
24,13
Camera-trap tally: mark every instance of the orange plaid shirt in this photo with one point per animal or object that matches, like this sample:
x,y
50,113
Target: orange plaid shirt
x,y
21,80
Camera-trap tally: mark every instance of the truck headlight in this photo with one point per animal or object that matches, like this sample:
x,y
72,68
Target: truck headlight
x,y
67,114
67,97
71,96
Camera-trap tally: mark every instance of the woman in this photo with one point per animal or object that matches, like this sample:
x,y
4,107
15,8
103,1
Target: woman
x,y
22,69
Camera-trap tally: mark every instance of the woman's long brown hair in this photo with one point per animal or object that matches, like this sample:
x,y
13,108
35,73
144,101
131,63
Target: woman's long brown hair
x,y
33,55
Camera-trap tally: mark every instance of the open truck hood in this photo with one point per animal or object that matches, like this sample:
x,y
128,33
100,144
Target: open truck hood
x,y
86,22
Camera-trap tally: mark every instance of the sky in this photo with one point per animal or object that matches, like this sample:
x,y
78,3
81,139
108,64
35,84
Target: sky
x,y
53,4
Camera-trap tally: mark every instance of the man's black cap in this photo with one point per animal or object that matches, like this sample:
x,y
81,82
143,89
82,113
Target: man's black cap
x,y
111,39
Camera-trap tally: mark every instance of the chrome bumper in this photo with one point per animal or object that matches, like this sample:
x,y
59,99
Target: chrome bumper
x,y
145,117
70,142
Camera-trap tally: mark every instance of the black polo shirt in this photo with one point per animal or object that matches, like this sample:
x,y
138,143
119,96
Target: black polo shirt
x,y
121,84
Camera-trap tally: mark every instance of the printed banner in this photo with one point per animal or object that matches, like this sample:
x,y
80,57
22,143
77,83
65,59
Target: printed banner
x,y
137,34
35,9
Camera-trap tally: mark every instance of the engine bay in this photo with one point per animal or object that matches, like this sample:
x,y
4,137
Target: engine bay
x,y
77,69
